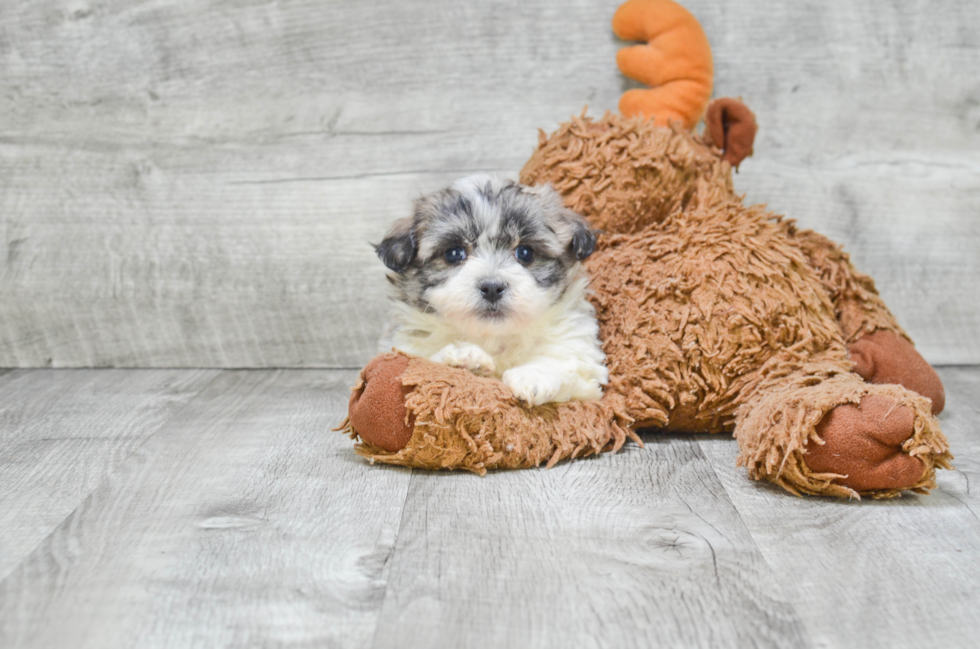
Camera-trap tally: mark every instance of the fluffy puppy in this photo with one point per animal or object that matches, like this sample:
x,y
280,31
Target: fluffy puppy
x,y
487,276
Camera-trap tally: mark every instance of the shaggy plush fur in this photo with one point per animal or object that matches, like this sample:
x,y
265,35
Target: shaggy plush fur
x,y
460,420
715,316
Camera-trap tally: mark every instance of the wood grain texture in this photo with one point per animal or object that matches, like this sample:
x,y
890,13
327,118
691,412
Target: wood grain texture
x,y
63,432
638,549
195,183
243,521
960,424
898,573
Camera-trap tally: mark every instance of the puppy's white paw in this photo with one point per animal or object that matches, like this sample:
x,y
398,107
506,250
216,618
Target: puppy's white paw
x,y
468,356
532,386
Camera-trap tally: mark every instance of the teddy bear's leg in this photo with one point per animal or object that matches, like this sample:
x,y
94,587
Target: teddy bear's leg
x,y
881,351
822,430
415,412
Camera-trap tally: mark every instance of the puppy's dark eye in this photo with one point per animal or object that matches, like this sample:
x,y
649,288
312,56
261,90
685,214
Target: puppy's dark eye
x,y
455,255
524,255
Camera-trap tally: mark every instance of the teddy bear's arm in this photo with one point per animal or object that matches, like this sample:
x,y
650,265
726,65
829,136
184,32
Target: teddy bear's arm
x,y
415,412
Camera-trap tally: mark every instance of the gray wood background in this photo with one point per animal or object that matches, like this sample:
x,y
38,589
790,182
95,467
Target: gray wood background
x,y
194,184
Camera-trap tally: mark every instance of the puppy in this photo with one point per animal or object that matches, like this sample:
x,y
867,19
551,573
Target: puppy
x,y
487,276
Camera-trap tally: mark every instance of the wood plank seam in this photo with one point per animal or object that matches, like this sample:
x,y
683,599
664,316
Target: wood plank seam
x,y
755,541
386,569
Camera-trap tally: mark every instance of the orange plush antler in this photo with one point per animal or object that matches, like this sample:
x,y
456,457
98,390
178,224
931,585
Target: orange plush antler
x,y
675,62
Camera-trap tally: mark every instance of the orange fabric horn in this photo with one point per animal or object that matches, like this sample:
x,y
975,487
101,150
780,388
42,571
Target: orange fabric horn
x,y
675,62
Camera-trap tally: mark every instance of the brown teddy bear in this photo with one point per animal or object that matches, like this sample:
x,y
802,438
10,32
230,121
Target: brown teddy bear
x,y
714,316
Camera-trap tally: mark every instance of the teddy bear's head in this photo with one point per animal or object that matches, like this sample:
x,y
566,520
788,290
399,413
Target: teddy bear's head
x,y
625,174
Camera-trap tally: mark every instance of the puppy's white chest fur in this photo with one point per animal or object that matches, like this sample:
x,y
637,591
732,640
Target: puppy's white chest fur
x,y
554,358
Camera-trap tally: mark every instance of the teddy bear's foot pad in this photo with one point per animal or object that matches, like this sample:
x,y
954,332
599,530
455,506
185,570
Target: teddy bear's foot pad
x,y
864,442
886,357
377,404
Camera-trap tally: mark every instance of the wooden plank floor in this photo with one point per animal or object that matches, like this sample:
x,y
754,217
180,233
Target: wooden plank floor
x,y
190,508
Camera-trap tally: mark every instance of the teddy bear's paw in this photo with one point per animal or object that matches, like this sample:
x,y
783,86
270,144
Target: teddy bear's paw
x,y
376,410
864,442
886,357
467,356
532,386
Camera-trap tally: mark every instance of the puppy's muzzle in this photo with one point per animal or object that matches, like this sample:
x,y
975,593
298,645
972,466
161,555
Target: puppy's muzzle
x,y
492,290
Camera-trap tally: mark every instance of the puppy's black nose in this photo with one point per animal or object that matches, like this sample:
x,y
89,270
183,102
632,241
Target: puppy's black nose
x,y
492,290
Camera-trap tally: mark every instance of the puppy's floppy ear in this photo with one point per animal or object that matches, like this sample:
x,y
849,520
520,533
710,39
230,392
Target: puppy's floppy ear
x,y
398,248
583,237
583,241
